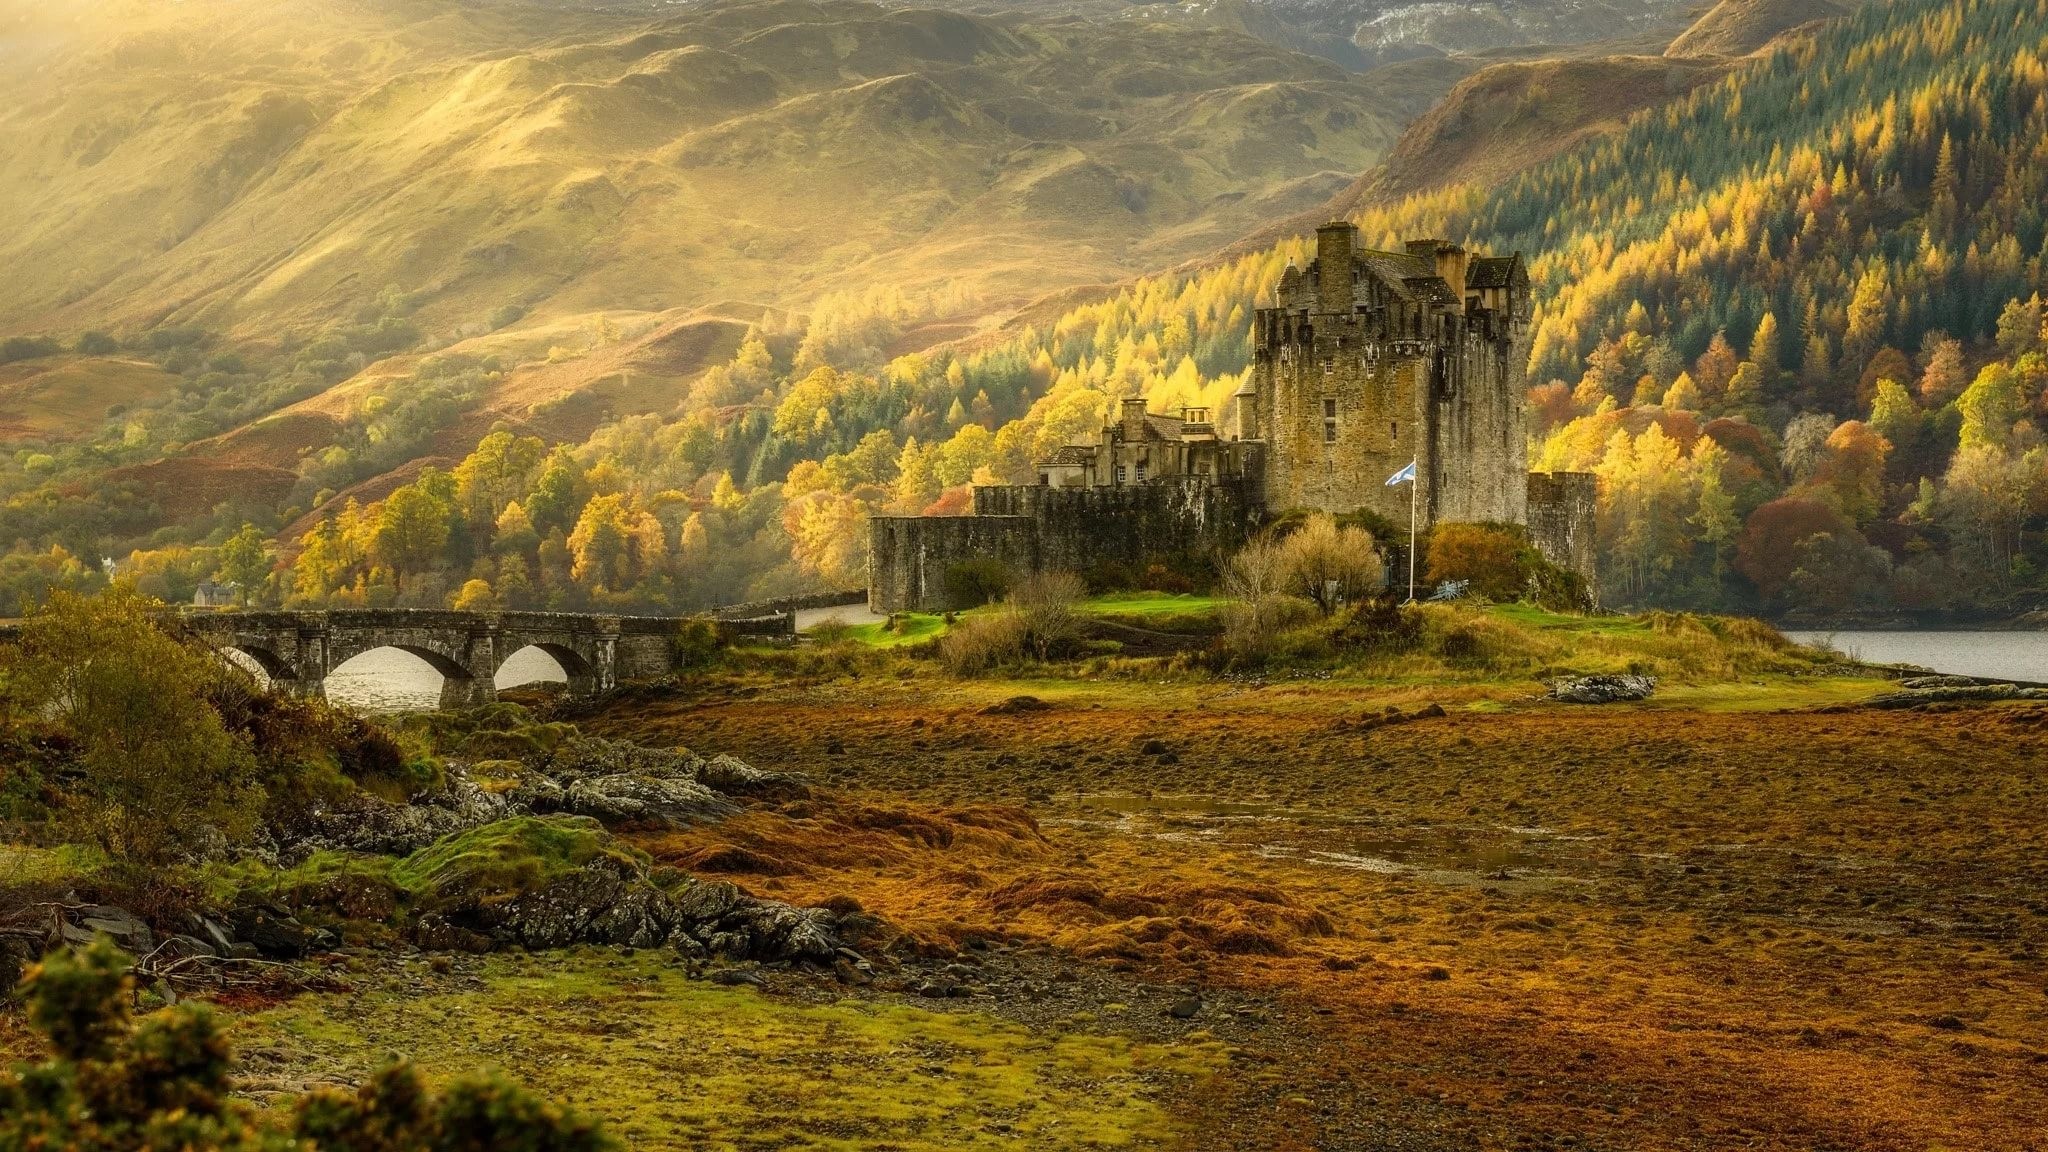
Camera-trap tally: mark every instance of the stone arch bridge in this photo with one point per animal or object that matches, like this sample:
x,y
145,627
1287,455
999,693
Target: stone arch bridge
x,y
297,650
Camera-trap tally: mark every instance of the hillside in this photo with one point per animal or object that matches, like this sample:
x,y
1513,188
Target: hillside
x,y
228,165
1739,27
1512,116
1791,318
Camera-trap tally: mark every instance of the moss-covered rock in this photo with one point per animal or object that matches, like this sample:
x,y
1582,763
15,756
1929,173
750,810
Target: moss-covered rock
x,y
552,881
502,860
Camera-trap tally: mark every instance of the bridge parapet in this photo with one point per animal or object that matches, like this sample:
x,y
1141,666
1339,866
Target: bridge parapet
x,y
297,650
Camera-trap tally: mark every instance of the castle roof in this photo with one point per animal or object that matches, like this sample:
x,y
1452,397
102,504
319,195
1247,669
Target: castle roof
x,y
1162,427
1071,454
1401,272
1492,271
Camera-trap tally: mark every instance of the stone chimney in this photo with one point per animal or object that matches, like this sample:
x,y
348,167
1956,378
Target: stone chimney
x,y
1134,418
1336,248
1450,264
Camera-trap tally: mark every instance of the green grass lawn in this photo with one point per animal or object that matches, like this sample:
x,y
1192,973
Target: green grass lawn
x,y
1153,604
918,627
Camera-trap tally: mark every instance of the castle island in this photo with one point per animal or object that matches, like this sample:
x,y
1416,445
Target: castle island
x,y
1364,361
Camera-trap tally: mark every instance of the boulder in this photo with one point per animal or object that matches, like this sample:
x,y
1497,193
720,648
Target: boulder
x,y
735,777
1601,689
646,800
124,928
272,930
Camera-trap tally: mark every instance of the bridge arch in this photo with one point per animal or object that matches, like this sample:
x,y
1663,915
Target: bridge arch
x,y
376,682
516,666
257,660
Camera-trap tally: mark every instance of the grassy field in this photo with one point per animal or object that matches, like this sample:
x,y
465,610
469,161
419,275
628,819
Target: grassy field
x,y
671,1062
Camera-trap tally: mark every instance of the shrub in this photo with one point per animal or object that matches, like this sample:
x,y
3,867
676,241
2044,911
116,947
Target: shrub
x,y
695,643
1379,626
27,348
984,642
1260,608
95,343
114,1083
831,633
972,583
1488,558
1498,562
1329,565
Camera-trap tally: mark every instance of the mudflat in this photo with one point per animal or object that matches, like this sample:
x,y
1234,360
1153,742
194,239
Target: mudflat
x,y
1758,918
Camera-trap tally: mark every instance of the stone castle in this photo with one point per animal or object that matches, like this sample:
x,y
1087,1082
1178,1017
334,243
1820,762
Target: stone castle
x,y
1364,362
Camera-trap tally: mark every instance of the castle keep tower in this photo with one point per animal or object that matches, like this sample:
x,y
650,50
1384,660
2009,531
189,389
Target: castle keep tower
x,y
1369,359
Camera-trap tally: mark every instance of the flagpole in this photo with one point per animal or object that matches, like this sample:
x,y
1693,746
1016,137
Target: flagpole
x,y
1413,484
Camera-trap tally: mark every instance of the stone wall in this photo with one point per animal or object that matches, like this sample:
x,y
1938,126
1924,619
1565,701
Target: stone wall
x,y
1562,522
909,555
1133,525
1479,436
1033,528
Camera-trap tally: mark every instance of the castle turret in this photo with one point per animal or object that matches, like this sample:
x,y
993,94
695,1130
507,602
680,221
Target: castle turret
x,y
1370,360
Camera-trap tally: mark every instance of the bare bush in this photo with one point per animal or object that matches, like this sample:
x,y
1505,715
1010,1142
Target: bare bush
x,y
1330,565
1050,605
1256,582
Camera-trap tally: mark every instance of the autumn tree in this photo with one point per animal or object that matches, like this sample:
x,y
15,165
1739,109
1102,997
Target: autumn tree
x,y
160,772
245,562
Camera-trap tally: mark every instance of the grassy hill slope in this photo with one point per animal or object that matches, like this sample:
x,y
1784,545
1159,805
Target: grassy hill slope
x,y
251,168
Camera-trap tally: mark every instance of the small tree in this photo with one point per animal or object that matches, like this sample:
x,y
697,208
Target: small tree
x,y
1256,581
114,1084
245,561
1330,565
159,767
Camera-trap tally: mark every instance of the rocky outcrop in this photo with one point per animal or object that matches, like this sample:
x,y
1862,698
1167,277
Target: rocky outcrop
x,y
1922,690
549,882
1601,689
614,781
642,800
367,823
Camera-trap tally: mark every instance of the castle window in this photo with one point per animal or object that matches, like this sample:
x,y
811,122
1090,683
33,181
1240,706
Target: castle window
x,y
1329,420
1141,471
1120,474
1327,366
1393,429
1045,479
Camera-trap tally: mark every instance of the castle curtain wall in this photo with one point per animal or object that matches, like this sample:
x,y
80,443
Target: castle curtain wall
x,y
1042,529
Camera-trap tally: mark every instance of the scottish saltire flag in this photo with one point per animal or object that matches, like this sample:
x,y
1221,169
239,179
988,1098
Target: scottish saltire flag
x,y
1404,476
